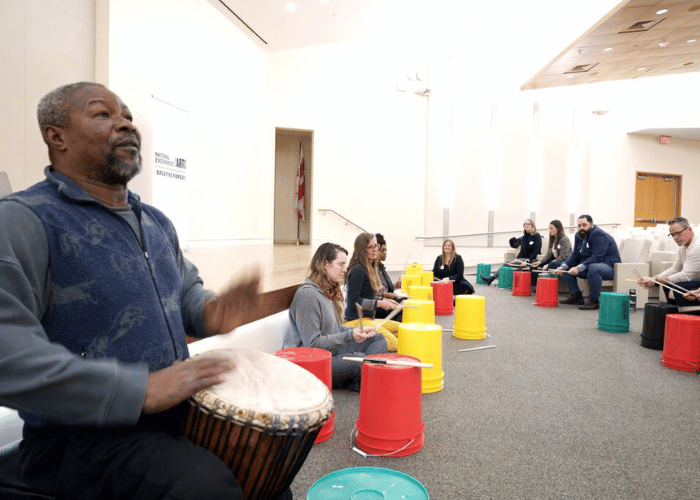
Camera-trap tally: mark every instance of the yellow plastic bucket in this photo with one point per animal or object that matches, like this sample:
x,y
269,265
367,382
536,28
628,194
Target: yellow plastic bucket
x,y
425,343
420,292
419,311
470,317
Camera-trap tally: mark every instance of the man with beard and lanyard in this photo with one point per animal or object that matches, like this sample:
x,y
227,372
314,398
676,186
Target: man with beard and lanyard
x,y
95,301
594,257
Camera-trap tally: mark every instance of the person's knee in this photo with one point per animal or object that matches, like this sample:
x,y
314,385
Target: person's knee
x,y
191,472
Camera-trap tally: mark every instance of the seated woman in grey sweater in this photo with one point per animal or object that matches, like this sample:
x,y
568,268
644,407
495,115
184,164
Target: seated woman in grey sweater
x,y
314,318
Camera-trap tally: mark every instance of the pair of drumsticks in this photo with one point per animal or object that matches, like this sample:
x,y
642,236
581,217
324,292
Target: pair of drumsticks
x,y
382,361
671,287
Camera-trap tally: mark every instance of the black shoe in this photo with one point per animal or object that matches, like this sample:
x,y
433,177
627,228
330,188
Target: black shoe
x,y
576,299
590,305
489,279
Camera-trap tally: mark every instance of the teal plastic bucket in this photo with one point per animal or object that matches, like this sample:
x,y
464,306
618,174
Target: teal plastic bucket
x,y
505,277
482,270
614,312
367,483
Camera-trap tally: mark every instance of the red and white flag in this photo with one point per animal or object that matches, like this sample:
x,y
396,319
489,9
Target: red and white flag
x,y
300,188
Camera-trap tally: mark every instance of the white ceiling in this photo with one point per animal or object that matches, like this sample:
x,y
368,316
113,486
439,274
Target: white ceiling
x,y
273,28
627,44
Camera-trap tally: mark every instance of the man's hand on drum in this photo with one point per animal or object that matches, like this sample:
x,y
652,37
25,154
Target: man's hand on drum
x,y
387,304
174,384
225,312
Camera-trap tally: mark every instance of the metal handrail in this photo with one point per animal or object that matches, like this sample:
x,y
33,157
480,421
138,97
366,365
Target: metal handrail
x,y
347,221
613,224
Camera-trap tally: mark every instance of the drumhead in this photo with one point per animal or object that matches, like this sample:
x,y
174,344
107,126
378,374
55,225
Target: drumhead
x,y
267,392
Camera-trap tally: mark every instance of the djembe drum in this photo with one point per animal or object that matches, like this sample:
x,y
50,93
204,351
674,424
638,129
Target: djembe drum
x,y
261,421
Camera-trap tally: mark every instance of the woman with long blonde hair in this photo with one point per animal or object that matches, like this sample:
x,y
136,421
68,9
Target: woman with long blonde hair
x,y
530,244
449,266
315,318
363,283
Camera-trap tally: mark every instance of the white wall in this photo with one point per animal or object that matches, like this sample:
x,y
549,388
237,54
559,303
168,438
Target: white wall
x,y
369,139
389,161
43,44
186,53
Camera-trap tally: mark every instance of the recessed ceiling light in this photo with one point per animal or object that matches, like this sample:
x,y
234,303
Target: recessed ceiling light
x,y
291,7
607,49
569,76
662,11
663,44
692,40
641,69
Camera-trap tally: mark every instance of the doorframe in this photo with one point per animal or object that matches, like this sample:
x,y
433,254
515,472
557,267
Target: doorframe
x,y
305,136
679,190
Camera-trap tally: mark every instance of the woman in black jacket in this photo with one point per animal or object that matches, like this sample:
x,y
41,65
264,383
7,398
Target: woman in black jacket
x,y
530,244
449,266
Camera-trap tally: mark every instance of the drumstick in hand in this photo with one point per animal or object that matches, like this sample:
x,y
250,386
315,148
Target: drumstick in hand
x,y
676,289
390,315
359,315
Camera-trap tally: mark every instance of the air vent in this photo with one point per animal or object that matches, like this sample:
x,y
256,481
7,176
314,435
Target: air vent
x,y
641,26
581,68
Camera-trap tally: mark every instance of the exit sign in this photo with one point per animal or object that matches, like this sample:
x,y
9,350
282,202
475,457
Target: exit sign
x,y
664,139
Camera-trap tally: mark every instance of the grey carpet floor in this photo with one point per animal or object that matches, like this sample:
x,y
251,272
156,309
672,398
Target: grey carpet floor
x,y
558,409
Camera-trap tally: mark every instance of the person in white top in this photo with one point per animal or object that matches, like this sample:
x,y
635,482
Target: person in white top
x,y
685,271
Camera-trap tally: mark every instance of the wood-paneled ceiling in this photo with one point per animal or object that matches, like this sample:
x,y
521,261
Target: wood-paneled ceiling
x,y
638,38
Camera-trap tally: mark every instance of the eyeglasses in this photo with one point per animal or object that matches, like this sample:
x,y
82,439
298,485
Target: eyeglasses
x,y
372,247
677,233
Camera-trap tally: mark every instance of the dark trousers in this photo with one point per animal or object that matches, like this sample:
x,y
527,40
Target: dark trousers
x,y
677,297
142,462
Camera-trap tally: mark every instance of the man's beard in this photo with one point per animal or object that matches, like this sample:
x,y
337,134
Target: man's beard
x,y
584,234
118,170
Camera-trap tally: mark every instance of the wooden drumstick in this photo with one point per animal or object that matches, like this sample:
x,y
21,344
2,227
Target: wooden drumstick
x,y
390,315
676,289
477,348
359,315
381,361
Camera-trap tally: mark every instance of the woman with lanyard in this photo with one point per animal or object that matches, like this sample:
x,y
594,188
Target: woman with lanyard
x,y
449,266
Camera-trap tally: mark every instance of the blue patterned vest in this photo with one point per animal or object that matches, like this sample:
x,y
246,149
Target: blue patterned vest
x,y
109,297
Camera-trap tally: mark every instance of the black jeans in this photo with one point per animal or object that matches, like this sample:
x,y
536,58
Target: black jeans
x,y
149,461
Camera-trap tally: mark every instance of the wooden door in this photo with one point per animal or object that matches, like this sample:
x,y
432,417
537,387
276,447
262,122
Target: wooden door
x,y
657,198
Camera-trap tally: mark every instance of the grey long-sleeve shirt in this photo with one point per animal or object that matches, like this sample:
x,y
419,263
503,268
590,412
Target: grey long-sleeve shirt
x,y
40,376
314,321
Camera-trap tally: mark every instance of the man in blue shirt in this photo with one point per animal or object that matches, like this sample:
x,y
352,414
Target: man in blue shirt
x,y
594,257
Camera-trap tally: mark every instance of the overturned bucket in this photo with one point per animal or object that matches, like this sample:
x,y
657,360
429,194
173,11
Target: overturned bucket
x,y
317,361
419,311
367,483
547,294
614,313
442,296
521,283
682,343
425,343
390,420
470,317
505,277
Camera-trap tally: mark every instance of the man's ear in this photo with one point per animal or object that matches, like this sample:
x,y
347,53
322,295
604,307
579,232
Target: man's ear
x,y
53,136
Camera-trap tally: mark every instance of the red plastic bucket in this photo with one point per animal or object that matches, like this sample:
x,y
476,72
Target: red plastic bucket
x,y
682,343
547,294
390,421
442,295
318,362
521,284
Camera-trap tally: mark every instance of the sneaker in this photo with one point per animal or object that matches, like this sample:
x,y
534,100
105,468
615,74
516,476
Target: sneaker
x,y
590,305
576,299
